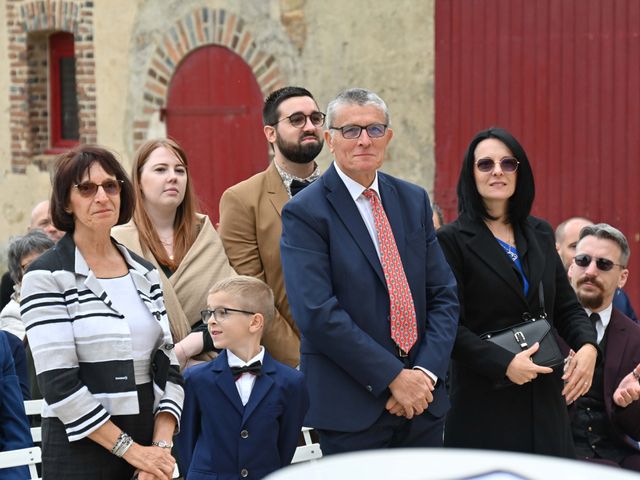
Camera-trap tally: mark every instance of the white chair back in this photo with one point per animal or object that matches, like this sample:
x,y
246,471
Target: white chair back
x,y
24,456
33,408
309,451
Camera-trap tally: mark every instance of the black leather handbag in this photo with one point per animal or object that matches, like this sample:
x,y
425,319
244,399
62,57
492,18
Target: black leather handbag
x,y
523,335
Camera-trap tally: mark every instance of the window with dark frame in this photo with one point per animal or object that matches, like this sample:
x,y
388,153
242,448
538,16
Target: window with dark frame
x,y
63,113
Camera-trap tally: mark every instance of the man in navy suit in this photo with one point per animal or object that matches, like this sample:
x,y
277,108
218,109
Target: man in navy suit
x,y
606,420
373,382
14,426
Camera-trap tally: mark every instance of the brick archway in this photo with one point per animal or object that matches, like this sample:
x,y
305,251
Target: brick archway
x,y
200,27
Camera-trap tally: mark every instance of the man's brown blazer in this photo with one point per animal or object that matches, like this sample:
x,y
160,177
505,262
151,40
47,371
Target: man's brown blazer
x,y
250,228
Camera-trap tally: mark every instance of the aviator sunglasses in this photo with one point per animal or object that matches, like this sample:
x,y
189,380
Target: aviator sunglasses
x,y
507,164
583,260
89,189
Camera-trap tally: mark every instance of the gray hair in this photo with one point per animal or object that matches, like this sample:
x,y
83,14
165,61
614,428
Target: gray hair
x,y
607,232
36,241
355,96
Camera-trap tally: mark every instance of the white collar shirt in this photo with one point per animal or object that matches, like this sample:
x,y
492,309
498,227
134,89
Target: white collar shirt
x,y
363,203
245,383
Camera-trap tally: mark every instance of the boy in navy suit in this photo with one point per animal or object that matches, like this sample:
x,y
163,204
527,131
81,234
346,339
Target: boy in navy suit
x,y
243,411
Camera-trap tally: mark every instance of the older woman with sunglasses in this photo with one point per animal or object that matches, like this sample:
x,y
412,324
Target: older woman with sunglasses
x,y
99,333
502,257
167,230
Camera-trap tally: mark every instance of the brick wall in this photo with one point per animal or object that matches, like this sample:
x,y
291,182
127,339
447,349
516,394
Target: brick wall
x,y
29,24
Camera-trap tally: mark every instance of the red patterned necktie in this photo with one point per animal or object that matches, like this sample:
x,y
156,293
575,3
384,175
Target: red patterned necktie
x,y
404,330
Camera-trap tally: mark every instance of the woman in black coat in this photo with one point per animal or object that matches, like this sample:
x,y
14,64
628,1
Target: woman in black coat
x,y
500,256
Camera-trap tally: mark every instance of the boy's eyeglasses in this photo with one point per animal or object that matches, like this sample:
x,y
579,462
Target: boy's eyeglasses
x,y
89,189
220,314
583,260
507,164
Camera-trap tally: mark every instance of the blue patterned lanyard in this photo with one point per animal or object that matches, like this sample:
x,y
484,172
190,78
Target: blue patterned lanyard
x,y
513,255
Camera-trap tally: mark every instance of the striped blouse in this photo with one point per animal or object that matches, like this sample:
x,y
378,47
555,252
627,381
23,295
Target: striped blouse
x,y
82,346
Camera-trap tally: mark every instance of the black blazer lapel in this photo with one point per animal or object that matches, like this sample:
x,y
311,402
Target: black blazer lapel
x,y
487,249
345,208
533,261
225,381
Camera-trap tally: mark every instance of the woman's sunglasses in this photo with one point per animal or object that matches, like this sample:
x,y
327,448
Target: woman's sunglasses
x,y
89,189
583,260
507,164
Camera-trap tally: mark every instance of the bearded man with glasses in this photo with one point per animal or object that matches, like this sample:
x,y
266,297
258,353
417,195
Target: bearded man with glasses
x,y
606,420
250,223
370,290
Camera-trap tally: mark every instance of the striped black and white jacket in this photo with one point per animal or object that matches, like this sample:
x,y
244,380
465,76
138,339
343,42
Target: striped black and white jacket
x,y
82,345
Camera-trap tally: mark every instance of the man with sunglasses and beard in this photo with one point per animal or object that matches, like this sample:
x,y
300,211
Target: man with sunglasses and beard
x,y
606,420
250,224
567,234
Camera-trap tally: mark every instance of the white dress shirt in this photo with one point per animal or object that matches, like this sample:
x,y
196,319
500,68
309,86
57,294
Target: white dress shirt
x,y
364,205
245,383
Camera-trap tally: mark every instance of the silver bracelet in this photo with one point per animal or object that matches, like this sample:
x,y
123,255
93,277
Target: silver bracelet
x,y
123,442
119,441
125,447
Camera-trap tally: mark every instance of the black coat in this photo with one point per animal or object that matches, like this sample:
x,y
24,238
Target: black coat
x,y
528,418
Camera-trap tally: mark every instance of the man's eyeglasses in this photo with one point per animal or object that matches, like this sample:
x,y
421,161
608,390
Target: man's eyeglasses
x,y
220,314
507,164
351,132
89,189
299,119
583,260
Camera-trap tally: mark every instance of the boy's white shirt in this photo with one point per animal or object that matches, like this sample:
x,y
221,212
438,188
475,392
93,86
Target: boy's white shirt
x,y
245,383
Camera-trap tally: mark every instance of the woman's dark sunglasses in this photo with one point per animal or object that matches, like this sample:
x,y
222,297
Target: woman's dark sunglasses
x,y
89,189
507,164
583,260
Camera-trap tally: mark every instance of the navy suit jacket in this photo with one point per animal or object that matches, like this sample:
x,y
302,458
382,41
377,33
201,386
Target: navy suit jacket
x,y
14,426
20,364
621,302
219,437
339,299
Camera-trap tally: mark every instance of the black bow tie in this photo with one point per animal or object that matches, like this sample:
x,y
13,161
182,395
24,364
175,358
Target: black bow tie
x,y
297,185
255,369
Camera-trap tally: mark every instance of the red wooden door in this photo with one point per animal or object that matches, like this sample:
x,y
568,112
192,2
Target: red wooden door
x,y
562,76
214,111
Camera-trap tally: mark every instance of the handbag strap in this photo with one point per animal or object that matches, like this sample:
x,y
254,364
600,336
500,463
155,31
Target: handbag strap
x,y
541,298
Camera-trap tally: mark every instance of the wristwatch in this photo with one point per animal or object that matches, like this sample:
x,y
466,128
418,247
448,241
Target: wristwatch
x,y
162,444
